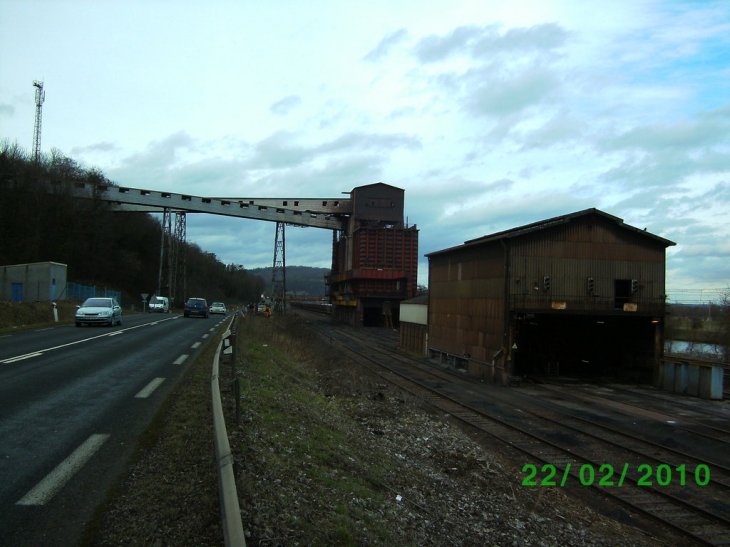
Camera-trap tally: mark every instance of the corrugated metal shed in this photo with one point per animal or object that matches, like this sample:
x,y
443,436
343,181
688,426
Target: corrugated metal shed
x,y
587,263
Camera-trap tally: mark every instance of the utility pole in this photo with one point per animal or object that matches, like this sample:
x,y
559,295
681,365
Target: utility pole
x,y
40,97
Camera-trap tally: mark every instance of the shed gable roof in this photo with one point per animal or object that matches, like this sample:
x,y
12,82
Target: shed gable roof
x,y
553,222
374,184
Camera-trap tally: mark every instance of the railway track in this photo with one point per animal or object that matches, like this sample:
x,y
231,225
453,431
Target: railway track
x,y
698,508
691,418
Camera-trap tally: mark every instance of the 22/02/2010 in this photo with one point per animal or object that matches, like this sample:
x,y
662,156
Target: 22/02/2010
x,y
663,474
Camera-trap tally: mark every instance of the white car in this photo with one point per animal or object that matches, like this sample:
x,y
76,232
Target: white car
x,y
159,304
218,307
106,311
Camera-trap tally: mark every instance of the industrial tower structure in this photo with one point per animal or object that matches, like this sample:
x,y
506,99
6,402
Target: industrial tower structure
x,y
171,280
374,259
40,97
374,250
278,272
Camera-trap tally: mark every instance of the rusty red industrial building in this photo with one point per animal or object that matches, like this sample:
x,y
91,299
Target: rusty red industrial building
x,y
374,260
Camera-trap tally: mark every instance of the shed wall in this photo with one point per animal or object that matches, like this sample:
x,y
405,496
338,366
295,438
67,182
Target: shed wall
x,y
414,313
413,338
33,282
466,302
587,248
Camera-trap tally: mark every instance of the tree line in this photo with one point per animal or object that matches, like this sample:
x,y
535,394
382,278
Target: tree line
x,y
100,245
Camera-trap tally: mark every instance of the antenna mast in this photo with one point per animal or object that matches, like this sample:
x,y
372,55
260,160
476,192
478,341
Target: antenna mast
x,y
40,96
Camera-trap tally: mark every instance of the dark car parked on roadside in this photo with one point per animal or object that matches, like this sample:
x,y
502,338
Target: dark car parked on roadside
x,y
196,307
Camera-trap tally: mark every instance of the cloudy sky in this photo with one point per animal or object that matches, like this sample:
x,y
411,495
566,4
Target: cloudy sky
x,y
489,114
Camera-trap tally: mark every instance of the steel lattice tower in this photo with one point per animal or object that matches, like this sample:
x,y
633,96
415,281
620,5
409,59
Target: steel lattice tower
x,y
178,286
278,272
172,257
40,97
165,252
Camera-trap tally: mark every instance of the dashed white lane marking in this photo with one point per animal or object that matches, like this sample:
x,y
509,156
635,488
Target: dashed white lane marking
x,y
180,360
195,345
149,388
56,479
206,335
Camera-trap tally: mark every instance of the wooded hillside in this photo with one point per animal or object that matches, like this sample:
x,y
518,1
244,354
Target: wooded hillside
x,y
100,246
300,280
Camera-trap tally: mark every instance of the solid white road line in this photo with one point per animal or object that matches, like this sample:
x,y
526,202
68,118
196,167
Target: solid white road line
x,y
20,358
149,388
41,352
180,360
57,478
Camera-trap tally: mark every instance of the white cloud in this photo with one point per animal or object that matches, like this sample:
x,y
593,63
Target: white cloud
x,y
385,45
489,115
285,105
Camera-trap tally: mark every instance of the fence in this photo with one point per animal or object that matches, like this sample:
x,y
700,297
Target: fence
x,y
75,290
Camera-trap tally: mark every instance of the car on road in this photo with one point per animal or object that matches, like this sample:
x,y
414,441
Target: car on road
x,y
97,310
218,307
196,307
160,304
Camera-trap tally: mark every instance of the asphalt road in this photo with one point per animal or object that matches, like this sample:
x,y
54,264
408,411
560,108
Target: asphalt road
x,y
73,402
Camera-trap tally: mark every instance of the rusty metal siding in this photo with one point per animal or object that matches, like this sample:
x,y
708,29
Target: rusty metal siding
x,y
590,247
413,337
378,202
466,302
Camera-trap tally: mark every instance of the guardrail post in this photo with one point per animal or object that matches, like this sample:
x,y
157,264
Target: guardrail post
x,y
229,341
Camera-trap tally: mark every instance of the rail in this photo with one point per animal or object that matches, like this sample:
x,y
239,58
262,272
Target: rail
x,y
705,523
230,510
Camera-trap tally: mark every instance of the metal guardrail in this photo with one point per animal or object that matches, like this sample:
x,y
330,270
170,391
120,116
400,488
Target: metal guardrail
x,y
230,510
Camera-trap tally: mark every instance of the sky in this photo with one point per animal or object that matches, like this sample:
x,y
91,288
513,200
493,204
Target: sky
x,y
490,115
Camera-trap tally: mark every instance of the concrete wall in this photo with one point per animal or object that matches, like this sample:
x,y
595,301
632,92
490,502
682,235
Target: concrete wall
x,y
414,313
705,381
33,282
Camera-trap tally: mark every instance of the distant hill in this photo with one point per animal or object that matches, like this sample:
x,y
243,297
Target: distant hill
x,y
300,280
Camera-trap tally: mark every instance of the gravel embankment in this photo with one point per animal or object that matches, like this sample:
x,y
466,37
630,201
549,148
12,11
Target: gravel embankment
x,y
329,455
